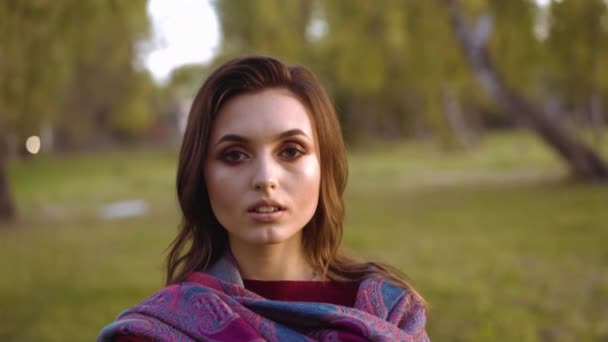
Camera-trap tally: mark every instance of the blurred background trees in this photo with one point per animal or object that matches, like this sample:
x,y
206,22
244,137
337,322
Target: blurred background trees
x,y
395,68
432,95
72,67
71,71
584,163
68,73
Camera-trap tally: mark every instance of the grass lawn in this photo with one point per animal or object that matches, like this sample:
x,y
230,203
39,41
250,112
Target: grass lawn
x,y
500,246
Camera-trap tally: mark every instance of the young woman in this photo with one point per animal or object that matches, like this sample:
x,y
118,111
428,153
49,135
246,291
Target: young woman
x,y
260,182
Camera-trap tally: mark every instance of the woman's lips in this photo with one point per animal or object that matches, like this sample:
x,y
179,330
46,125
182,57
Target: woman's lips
x,y
266,210
266,216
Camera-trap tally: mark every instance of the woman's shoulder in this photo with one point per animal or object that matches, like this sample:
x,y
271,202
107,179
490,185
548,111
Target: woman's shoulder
x,y
393,301
154,317
390,291
176,309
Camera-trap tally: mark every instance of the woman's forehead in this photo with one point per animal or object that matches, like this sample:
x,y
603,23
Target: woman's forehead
x,y
262,115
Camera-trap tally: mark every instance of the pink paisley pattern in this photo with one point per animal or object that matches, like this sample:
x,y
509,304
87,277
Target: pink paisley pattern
x,y
214,306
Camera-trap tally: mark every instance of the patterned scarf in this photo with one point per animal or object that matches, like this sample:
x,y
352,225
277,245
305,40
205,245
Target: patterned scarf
x,y
214,306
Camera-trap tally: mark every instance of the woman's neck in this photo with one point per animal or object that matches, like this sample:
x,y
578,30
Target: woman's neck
x,y
284,261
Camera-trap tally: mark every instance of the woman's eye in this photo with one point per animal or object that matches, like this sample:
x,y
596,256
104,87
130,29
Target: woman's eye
x,y
291,152
233,156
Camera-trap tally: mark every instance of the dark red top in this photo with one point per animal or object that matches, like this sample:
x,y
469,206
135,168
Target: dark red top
x,y
334,292
340,293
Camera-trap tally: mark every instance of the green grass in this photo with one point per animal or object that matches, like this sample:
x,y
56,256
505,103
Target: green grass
x,y
499,245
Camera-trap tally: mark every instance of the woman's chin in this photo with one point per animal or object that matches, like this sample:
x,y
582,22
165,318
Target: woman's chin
x,y
271,236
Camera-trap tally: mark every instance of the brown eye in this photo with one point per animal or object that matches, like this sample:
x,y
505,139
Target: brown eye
x,y
291,152
233,156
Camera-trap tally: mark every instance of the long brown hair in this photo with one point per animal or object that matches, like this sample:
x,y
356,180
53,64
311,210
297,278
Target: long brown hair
x,y
201,239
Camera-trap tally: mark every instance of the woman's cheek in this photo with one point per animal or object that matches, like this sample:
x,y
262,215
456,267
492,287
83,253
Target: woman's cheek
x,y
310,169
220,179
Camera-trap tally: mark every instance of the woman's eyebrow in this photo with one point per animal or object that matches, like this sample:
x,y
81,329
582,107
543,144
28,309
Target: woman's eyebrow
x,y
232,138
291,133
241,139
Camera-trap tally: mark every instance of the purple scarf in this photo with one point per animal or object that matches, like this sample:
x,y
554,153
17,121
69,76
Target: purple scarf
x,y
214,306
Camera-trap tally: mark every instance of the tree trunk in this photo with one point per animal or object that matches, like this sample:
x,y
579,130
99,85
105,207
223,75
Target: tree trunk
x,y
584,163
597,120
7,208
452,110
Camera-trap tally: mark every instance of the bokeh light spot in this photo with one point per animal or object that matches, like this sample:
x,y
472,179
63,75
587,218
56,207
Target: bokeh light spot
x,y
32,144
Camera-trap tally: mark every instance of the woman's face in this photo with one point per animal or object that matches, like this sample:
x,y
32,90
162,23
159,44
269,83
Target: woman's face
x,y
262,171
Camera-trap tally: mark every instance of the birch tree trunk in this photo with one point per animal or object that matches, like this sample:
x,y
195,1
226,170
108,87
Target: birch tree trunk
x,y
453,113
584,163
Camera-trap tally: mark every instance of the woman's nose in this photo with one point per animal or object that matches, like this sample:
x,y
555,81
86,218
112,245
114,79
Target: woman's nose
x,y
265,175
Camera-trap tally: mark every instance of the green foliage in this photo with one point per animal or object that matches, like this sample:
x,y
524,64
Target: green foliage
x,y
499,246
68,62
185,81
514,44
577,36
356,30
134,118
389,64
276,27
27,83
